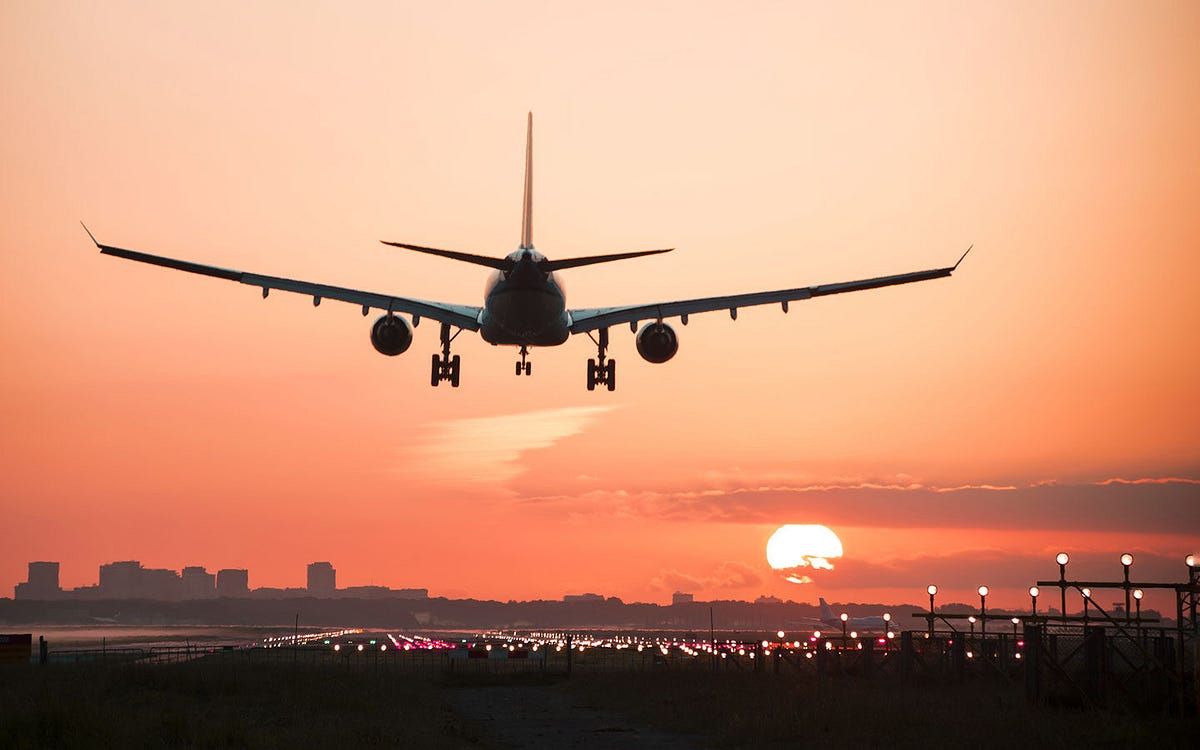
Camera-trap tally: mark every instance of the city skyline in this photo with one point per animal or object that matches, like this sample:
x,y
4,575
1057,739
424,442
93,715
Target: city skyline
x,y
129,579
959,432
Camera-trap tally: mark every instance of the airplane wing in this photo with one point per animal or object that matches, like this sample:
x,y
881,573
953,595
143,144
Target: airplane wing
x,y
591,319
460,316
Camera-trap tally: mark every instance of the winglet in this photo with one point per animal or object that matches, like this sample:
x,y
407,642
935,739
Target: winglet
x,y
89,232
960,260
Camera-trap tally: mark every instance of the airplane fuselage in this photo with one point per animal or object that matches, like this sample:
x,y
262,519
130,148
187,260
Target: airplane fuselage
x,y
524,306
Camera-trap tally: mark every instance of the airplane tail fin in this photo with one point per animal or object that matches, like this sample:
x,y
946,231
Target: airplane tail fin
x,y
502,264
558,265
527,206
827,614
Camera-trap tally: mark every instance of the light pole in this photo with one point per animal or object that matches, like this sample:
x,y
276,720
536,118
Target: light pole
x,y
1126,561
843,617
971,620
887,624
932,590
1015,621
1137,598
983,592
1062,559
1033,595
1087,595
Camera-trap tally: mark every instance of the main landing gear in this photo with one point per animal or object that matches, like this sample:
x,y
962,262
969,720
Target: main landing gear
x,y
445,367
523,367
601,372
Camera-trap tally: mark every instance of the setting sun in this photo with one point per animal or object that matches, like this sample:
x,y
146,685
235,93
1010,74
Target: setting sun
x,y
795,549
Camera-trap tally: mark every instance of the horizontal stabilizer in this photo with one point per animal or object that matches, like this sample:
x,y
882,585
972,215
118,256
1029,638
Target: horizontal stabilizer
x,y
503,264
558,265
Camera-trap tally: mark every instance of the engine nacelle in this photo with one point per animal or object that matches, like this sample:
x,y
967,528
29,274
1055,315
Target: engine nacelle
x,y
391,335
657,343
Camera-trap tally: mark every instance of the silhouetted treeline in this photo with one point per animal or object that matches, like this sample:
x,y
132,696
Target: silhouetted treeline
x,y
436,613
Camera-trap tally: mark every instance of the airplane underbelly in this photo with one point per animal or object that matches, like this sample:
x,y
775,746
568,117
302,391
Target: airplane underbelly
x,y
524,316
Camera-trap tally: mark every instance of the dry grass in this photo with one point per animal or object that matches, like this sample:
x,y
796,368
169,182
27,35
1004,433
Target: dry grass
x,y
277,703
191,705
757,710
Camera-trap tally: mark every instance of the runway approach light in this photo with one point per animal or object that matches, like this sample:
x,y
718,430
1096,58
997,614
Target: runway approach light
x,y
932,590
1062,558
1127,559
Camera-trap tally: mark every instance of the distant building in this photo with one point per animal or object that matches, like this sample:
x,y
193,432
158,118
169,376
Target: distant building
x,y
129,580
42,583
681,598
768,600
322,579
266,592
583,598
365,592
233,582
198,583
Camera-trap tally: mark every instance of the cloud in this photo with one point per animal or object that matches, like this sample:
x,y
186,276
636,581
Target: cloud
x,y
728,575
1162,505
489,449
1005,571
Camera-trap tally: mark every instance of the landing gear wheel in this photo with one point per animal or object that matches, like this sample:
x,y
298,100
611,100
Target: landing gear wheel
x,y
601,371
524,367
443,366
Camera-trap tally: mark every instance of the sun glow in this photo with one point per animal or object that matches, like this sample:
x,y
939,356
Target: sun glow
x,y
797,549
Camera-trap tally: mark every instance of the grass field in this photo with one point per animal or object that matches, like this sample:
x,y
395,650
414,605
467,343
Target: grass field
x,y
281,704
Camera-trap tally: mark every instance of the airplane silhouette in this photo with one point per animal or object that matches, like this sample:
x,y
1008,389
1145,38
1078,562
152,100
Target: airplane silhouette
x,y
879,622
524,305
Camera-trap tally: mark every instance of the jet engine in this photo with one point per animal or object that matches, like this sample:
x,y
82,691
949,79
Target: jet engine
x,y
657,343
391,335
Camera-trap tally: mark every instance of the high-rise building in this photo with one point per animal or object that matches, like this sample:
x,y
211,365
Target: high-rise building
x,y
233,582
129,580
322,579
119,580
681,598
42,583
198,583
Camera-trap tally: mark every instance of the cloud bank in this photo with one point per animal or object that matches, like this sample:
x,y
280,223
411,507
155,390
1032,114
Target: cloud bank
x,y
1144,505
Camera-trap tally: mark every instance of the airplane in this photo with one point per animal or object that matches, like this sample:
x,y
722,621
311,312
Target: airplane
x,y
524,304
881,622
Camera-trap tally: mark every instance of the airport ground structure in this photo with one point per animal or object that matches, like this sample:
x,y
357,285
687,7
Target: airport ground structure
x,y
1120,658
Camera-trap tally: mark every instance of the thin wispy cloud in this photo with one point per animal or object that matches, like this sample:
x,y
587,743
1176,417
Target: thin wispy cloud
x,y
1163,505
728,575
489,449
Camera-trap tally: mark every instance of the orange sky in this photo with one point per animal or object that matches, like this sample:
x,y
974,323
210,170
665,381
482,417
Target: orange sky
x,y
179,420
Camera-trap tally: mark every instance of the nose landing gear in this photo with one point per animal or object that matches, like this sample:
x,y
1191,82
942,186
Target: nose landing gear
x,y
523,367
445,367
601,372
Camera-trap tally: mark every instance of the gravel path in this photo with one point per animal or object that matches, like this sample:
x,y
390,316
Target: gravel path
x,y
543,717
